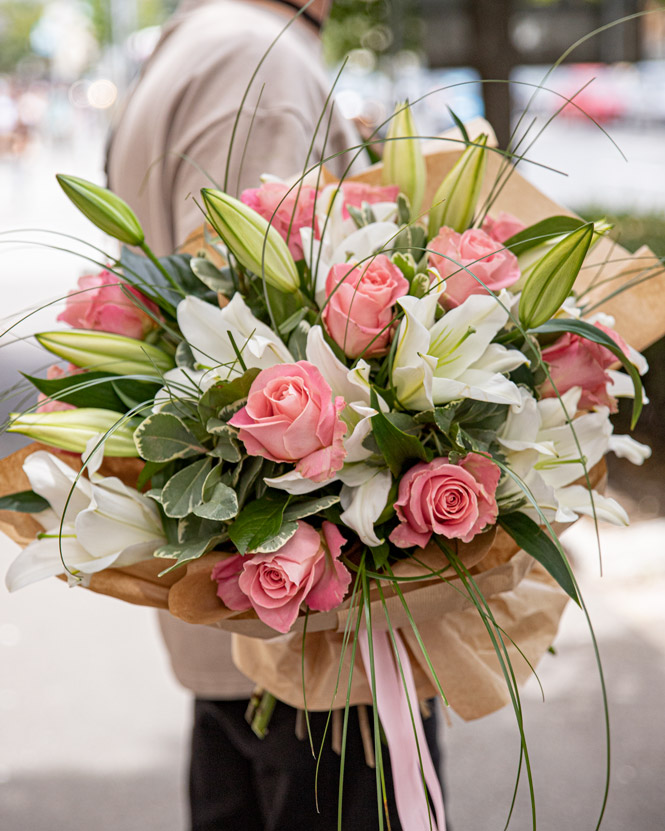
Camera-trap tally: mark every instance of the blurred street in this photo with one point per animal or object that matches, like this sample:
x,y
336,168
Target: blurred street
x,y
93,729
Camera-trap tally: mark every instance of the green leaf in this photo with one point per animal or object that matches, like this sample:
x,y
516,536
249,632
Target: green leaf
x,y
288,325
380,555
144,275
553,277
299,510
251,468
226,392
405,263
460,125
222,505
298,341
184,490
163,437
532,539
596,335
27,502
227,446
132,393
211,276
149,470
185,552
285,533
90,389
396,446
444,417
259,521
542,232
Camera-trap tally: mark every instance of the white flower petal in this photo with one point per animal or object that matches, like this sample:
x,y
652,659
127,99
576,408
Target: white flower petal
x,y
578,499
41,559
364,504
295,483
53,479
625,447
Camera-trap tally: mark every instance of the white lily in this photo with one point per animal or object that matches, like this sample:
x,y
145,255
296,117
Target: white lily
x,y
452,358
105,524
545,452
365,501
210,333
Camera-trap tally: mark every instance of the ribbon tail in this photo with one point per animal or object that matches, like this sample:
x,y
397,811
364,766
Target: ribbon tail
x,y
392,700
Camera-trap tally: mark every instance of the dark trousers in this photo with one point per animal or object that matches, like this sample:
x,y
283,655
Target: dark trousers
x,y
239,782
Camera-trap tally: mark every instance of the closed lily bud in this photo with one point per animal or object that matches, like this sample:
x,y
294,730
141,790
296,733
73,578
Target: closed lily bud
x,y
532,256
455,200
403,161
105,352
552,278
73,429
104,209
245,233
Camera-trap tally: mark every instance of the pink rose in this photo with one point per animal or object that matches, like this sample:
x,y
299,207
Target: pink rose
x,y
103,303
503,227
291,416
227,573
455,501
288,217
482,255
52,405
305,569
355,193
359,309
574,361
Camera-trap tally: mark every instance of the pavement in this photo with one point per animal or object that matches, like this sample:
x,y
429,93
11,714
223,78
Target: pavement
x,y
93,728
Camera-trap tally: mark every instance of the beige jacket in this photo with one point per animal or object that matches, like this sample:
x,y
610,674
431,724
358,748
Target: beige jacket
x,y
173,137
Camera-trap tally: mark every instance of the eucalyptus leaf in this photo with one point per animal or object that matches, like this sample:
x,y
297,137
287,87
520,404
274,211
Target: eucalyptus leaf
x,y
163,437
184,490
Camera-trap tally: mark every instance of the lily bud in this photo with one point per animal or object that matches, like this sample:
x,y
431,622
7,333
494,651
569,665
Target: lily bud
x,y
245,232
105,352
532,256
104,209
552,278
73,429
403,161
455,201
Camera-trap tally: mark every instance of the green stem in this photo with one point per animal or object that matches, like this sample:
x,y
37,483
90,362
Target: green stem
x,y
153,259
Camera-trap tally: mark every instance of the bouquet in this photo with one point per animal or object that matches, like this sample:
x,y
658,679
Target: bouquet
x,y
350,413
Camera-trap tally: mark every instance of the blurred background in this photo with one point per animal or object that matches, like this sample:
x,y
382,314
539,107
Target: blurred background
x,y
93,729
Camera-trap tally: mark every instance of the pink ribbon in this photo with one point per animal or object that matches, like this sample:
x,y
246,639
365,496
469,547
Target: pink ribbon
x,y
392,700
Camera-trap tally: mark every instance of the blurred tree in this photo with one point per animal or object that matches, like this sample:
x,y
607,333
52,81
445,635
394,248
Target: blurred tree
x,y
17,17
148,13
380,26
